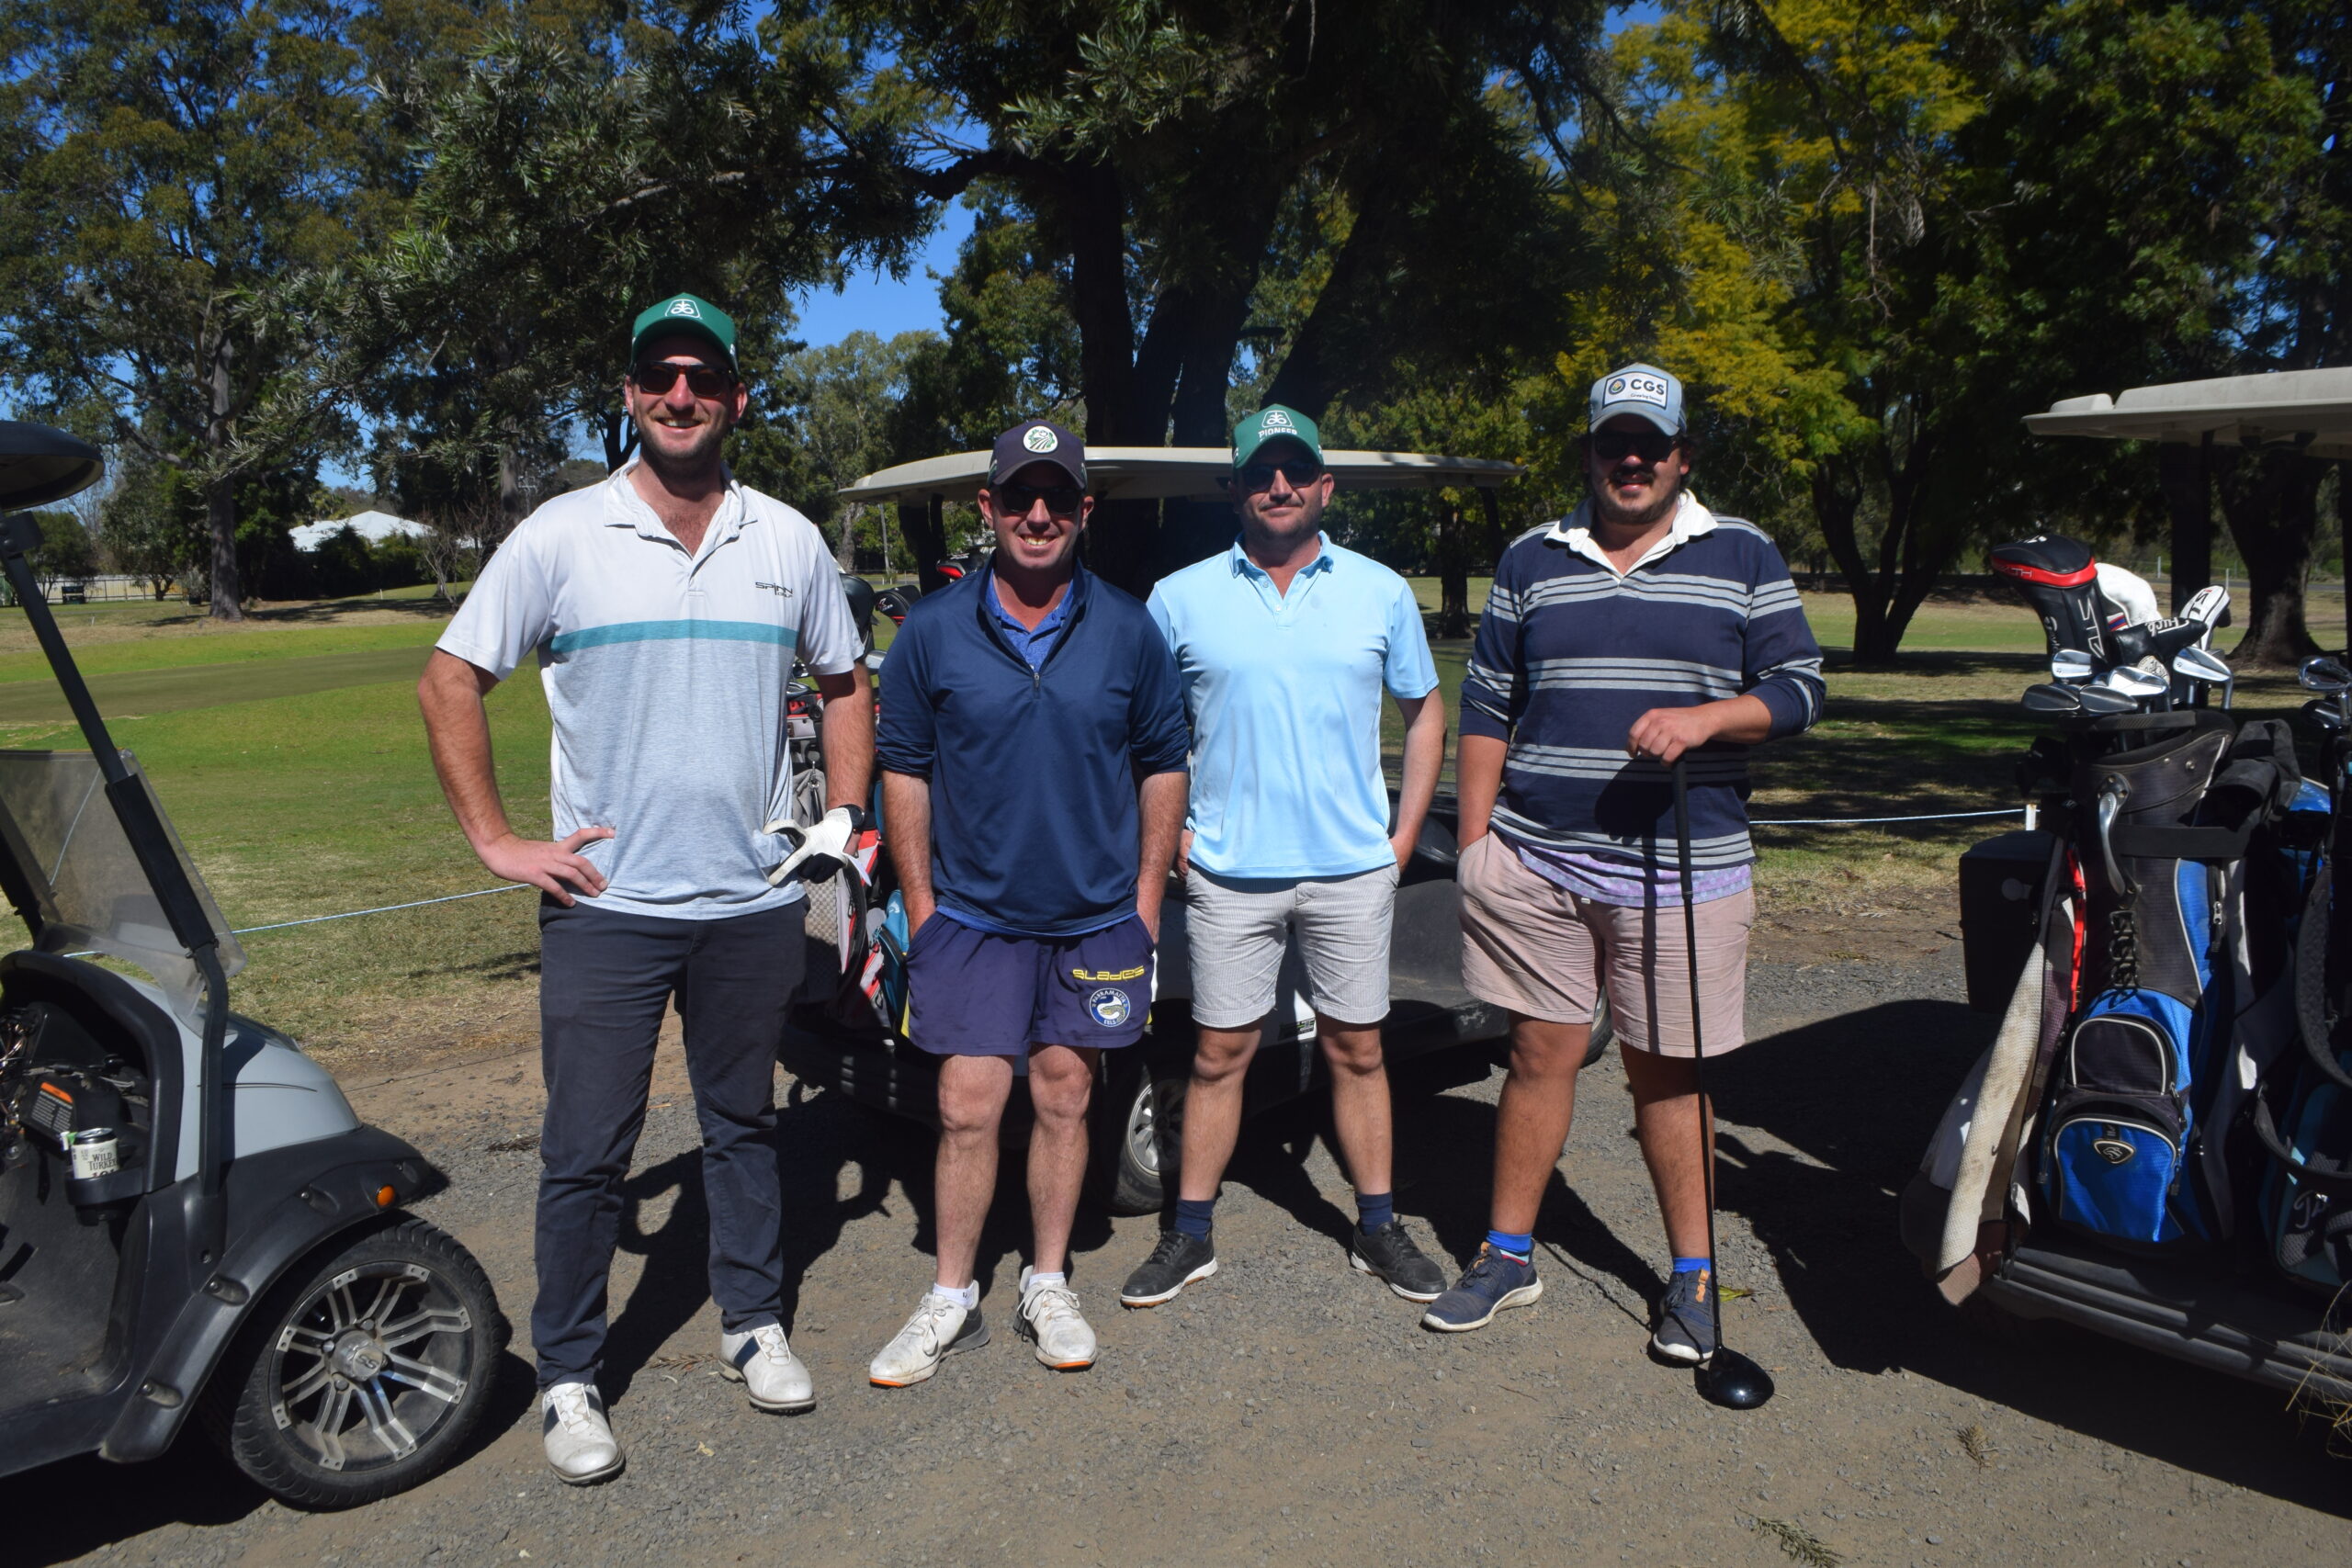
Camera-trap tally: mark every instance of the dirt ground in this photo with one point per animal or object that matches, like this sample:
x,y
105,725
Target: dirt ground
x,y
1290,1410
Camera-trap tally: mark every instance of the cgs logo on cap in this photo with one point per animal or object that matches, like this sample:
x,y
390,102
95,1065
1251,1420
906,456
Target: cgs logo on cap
x,y
1616,385
683,308
1040,439
1638,389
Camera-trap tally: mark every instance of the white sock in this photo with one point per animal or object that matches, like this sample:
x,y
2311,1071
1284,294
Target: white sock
x,y
1039,1281
967,1296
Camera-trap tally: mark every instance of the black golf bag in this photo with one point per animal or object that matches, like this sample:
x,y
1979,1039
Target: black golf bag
x,y
2182,989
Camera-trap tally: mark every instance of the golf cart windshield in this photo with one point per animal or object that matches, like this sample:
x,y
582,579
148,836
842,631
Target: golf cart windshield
x,y
70,872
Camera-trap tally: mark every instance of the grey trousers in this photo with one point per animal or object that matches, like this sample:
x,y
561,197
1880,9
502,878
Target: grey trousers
x,y
604,980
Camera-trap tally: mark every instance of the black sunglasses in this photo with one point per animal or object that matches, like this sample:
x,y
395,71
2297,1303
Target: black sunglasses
x,y
658,376
1015,500
1615,445
1256,477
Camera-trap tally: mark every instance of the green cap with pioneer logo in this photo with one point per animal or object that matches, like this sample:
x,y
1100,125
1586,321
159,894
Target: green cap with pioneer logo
x,y
1275,423
688,315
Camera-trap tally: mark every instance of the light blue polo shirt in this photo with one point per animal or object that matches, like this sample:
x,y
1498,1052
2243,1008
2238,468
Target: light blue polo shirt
x,y
1283,694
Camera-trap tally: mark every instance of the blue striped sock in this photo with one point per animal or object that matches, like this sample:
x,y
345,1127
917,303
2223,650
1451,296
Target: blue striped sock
x,y
1193,1214
1520,1247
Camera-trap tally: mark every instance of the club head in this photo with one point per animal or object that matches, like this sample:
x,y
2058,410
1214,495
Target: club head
x,y
2051,697
2201,664
2106,700
2326,676
2325,713
1732,1381
2136,684
2072,664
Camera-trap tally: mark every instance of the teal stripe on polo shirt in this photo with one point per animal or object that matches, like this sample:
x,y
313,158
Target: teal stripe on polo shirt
x,y
673,631
1284,693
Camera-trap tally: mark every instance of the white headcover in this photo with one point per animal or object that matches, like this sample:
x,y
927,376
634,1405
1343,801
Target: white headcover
x,y
2130,593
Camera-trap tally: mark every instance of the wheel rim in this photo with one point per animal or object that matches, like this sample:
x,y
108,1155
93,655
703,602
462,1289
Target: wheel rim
x,y
371,1365
1143,1129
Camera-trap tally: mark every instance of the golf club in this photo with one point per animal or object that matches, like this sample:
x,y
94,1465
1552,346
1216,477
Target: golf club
x,y
2072,664
1725,1378
2104,700
2208,668
2137,683
2051,697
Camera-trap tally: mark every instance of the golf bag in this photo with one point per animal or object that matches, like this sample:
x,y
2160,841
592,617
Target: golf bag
x,y
2146,1085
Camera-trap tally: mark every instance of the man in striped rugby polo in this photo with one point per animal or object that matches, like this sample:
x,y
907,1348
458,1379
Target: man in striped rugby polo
x,y
1641,627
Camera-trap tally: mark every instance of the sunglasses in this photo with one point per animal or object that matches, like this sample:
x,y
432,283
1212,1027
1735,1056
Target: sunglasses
x,y
1015,500
1616,445
1256,477
658,376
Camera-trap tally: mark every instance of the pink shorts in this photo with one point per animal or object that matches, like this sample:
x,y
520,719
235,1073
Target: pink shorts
x,y
1534,948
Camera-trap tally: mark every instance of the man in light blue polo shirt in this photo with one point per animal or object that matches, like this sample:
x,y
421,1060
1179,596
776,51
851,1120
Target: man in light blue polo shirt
x,y
1284,644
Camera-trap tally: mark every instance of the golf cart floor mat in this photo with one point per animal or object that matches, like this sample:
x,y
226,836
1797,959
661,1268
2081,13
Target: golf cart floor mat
x,y
2194,1315
62,1266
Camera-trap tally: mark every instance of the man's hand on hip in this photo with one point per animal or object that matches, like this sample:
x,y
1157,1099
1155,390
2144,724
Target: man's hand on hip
x,y
555,869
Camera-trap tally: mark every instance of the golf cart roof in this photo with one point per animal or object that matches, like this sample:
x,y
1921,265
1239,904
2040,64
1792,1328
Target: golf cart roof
x,y
2311,408
1155,473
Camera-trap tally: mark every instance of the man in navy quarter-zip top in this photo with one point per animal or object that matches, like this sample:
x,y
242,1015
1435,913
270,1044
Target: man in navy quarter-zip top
x,y
1033,747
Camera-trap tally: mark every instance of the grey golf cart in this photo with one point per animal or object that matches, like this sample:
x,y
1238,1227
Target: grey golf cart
x,y
845,1039
193,1222
1977,1215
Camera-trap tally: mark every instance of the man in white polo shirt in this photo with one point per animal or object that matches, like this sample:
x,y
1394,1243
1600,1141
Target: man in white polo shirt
x,y
666,607
1284,644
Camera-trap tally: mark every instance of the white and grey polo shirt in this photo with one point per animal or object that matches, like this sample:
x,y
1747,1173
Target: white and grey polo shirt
x,y
665,674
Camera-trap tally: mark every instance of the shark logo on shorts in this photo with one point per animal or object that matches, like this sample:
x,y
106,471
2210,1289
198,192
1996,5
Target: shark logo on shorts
x,y
1109,1007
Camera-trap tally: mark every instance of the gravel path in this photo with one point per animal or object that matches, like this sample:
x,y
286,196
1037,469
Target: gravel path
x,y
1289,1410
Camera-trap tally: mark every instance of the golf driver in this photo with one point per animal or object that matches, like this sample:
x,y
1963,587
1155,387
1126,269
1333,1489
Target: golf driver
x,y
1725,1378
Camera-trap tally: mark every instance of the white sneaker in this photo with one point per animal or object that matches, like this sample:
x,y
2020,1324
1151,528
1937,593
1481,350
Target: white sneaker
x,y
579,1441
1050,1316
761,1359
940,1327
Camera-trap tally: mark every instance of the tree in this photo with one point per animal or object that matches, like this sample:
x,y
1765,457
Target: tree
x,y
1162,151
834,424
65,548
178,186
573,174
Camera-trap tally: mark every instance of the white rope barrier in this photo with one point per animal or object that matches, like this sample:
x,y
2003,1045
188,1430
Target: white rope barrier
x,y
1859,821
380,909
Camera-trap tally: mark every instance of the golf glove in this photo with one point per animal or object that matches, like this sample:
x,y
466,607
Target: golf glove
x,y
819,852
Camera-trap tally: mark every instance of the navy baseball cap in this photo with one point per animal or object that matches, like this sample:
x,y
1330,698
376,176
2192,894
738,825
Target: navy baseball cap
x,y
1037,441
1644,390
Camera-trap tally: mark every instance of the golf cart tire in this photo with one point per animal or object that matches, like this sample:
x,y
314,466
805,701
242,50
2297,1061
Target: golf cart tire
x,y
1141,1100
242,1412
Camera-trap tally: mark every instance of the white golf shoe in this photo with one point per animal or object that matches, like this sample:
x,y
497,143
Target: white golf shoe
x,y
579,1441
940,1328
761,1359
1049,1315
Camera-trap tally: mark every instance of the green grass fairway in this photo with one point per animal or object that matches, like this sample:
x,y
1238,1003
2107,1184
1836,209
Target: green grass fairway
x,y
173,689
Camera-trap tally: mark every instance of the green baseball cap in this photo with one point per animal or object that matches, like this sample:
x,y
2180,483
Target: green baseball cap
x,y
1275,422
688,315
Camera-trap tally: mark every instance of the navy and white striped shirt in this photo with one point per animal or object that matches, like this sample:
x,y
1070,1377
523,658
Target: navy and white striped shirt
x,y
1569,654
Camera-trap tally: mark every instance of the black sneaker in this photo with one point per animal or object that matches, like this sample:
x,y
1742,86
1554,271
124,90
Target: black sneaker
x,y
1176,1262
1389,1254
1685,1319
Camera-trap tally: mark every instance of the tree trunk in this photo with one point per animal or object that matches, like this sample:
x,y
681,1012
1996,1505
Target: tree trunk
x,y
2270,498
1452,574
2188,483
845,547
923,526
221,513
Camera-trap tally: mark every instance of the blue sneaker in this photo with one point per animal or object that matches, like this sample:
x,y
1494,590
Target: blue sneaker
x,y
1493,1282
1685,1319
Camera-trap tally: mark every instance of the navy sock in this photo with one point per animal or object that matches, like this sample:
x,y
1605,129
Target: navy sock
x,y
1193,1214
1520,1247
1374,1210
1692,1265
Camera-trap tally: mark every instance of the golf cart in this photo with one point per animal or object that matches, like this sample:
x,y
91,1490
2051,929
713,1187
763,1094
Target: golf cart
x,y
192,1219
2044,1194
846,1036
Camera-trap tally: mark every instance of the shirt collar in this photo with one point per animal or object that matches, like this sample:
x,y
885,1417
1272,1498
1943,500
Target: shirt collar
x,y
1054,617
1690,521
624,508
1238,558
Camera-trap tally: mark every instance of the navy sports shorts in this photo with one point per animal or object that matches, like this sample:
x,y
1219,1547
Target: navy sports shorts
x,y
972,993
